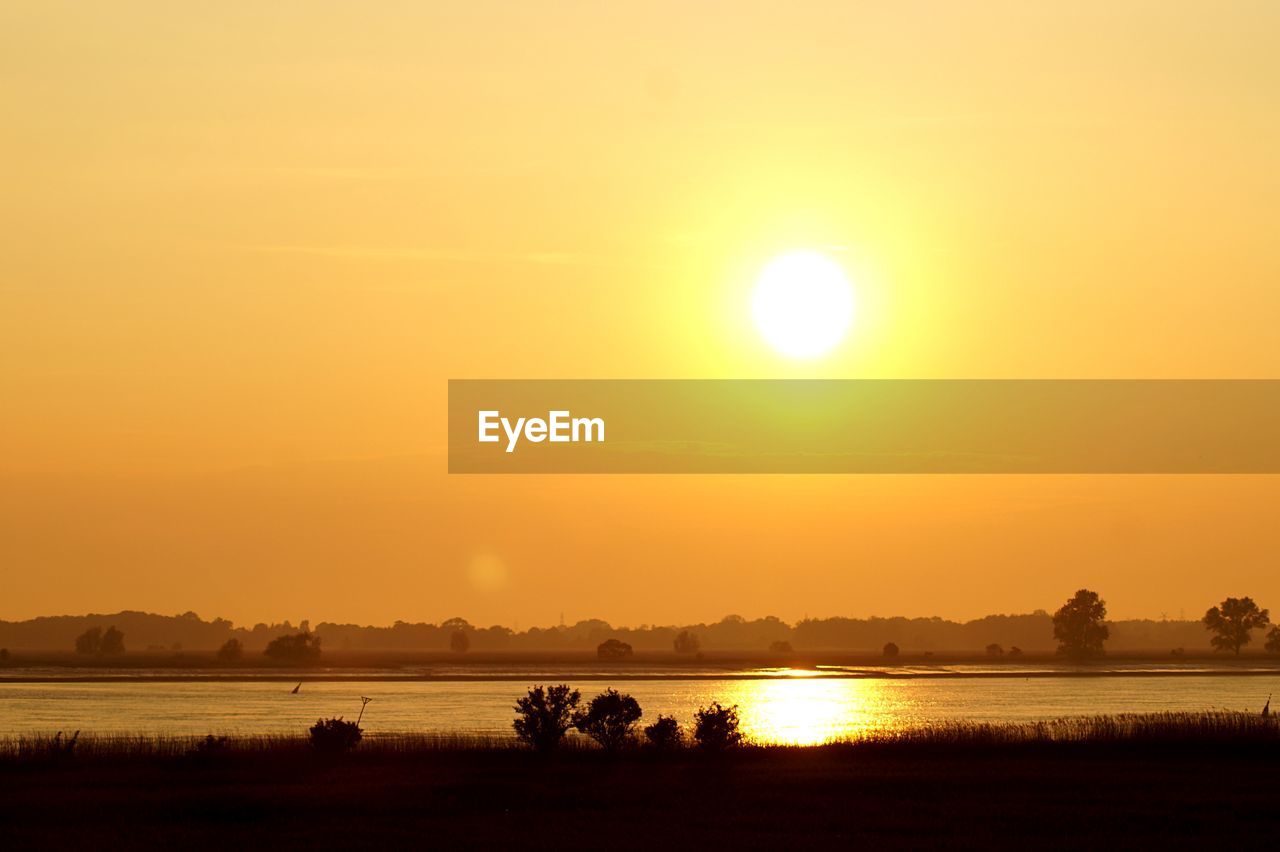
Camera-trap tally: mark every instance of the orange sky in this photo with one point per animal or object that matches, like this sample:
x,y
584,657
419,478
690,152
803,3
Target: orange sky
x,y
244,249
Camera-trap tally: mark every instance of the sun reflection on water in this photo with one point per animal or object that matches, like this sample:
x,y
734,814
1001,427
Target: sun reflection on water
x,y
809,711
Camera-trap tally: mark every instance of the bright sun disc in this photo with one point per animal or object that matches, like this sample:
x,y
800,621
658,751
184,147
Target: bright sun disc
x,y
803,304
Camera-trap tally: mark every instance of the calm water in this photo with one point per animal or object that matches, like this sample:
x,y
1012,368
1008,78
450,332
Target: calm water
x,y
786,707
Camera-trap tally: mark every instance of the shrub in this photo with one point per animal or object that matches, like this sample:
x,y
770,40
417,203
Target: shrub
x,y
231,651
294,648
613,649
994,650
891,649
90,641
96,641
687,643
112,642
334,736
609,719
780,647
715,728
545,716
1015,651
665,734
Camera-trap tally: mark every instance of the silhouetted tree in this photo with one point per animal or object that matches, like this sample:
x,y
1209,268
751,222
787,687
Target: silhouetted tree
x,y
780,647
613,649
715,728
294,648
686,643
665,734
1272,645
545,715
231,651
609,719
459,641
1015,651
890,649
90,641
994,650
112,641
1232,620
334,736
1078,625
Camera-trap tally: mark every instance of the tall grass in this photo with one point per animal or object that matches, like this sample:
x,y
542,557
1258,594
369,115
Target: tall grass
x,y
1174,729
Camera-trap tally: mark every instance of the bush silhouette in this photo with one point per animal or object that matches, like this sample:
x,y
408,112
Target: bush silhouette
x,y
294,648
231,651
780,647
665,734
890,649
610,719
90,641
334,736
1015,651
96,641
545,716
613,649
686,643
112,642
715,728
994,650
459,641
1232,621
1078,625
1272,645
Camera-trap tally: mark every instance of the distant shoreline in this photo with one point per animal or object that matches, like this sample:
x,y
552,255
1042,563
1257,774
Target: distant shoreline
x,y
622,675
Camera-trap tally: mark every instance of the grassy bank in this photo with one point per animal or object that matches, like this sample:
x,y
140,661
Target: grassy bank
x,y
1174,730
1173,780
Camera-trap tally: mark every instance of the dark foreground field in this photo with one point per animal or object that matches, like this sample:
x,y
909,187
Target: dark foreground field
x,y
955,793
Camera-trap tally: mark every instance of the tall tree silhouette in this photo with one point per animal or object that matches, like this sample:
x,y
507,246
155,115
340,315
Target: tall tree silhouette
x,y
1079,625
1231,622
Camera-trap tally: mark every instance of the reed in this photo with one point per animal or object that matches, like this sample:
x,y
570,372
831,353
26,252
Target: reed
x,y
1173,729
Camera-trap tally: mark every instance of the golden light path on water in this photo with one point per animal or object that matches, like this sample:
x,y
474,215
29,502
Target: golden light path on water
x,y
800,709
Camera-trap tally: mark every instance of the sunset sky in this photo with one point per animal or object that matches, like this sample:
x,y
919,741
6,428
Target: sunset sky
x,y
246,245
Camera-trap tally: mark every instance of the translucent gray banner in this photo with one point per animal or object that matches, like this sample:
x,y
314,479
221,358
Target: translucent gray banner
x,y
864,426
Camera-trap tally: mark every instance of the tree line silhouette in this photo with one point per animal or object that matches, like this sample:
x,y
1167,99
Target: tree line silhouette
x,y
1079,628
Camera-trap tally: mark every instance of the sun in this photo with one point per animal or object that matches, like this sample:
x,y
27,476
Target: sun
x,y
803,304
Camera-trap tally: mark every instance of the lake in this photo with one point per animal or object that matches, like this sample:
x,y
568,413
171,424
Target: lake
x,y
775,705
